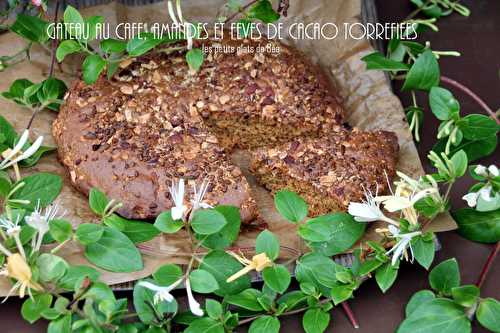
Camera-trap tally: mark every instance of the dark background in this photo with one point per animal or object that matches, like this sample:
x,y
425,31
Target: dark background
x,y
477,38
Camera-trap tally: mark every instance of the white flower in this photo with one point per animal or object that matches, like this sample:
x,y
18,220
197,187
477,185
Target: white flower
x,y
194,306
180,22
368,210
397,202
11,227
493,170
404,241
161,293
177,194
471,198
15,155
481,170
39,221
199,193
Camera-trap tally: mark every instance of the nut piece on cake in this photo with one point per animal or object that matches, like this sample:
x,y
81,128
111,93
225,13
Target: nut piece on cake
x,y
330,171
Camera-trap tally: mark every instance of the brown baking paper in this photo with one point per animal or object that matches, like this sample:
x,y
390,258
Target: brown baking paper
x,y
367,97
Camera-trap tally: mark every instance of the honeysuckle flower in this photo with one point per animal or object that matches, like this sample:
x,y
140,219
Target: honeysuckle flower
x,y
18,269
161,293
481,170
194,306
199,193
39,220
493,170
484,193
10,226
400,201
399,250
16,155
180,21
177,194
36,3
258,263
368,210
13,229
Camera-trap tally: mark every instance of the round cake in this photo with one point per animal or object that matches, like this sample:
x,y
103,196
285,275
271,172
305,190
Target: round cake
x,y
157,121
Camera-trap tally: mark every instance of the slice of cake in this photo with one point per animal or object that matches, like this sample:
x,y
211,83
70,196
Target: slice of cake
x,y
132,141
330,171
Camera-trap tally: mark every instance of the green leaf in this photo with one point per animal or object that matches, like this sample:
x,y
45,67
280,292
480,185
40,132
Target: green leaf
x,y
91,24
66,47
203,281
460,162
30,27
138,231
443,103
166,224
292,299
344,233
167,274
60,230
319,270
194,58
51,267
5,184
205,325
423,251
445,276
33,307
419,298
92,67
113,46
385,276
33,159
488,314
263,10
145,307
229,233
247,299
6,128
377,60
60,325
265,324
214,308
341,293
290,206
207,221
424,73
277,278
98,201
141,44
475,149
439,315
315,320
478,126
477,226
466,295
88,233
39,188
267,243
76,274
75,21
222,266
114,252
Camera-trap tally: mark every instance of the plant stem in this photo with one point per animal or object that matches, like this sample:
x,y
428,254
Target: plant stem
x,y
242,9
350,314
488,264
472,95
54,43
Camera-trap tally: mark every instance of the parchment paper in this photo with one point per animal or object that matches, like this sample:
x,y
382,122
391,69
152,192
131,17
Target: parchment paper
x,y
367,98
